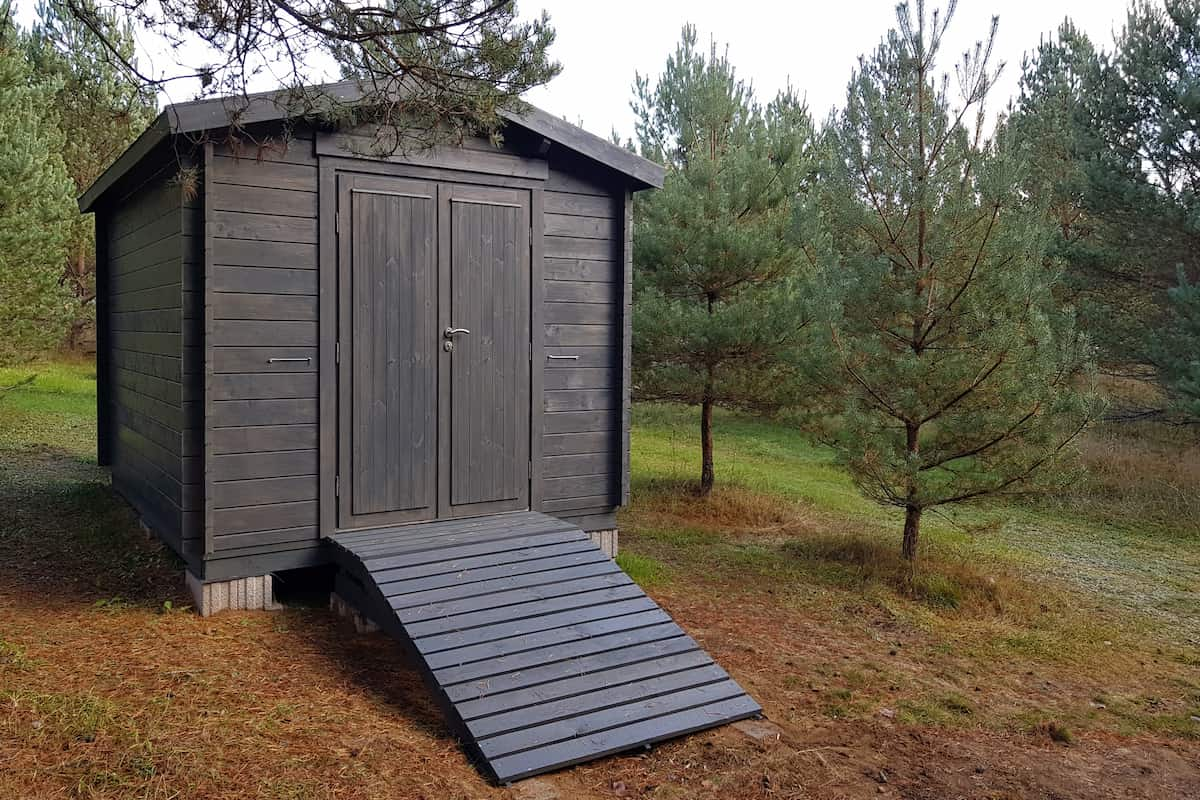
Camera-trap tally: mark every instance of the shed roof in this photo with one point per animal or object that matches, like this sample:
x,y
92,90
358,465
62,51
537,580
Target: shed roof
x,y
219,112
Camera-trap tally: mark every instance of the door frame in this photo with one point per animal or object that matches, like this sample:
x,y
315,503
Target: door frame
x,y
328,168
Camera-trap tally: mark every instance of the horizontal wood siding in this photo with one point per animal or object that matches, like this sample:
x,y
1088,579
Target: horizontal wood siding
x,y
581,317
151,374
262,425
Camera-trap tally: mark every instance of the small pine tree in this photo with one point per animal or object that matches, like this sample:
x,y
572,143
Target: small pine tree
x,y
36,206
951,370
714,262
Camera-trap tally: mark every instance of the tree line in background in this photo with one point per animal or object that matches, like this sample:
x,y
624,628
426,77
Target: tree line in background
x,y
933,296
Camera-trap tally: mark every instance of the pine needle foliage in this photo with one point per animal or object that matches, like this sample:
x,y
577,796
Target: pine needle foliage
x,y
100,111
1114,134
36,206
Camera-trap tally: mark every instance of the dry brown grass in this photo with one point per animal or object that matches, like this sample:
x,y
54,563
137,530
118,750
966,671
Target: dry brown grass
x,y
1142,469
105,693
1139,468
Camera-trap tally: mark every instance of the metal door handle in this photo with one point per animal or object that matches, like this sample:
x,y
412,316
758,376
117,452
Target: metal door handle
x,y
450,333
563,358
306,360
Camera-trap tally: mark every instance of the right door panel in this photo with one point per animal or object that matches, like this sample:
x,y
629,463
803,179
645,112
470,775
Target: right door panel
x,y
485,263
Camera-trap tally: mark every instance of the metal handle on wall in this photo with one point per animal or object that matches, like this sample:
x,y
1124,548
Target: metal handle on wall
x,y
306,360
562,358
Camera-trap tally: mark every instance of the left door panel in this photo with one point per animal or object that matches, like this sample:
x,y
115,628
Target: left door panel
x,y
389,339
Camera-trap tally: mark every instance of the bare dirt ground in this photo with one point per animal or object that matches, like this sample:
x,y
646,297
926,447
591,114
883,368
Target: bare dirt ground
x,y
107,692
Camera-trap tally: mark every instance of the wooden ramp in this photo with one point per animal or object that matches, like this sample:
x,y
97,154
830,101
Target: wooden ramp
x,y
542,652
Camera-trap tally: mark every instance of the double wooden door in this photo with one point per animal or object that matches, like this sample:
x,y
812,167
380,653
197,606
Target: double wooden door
x,y
433,350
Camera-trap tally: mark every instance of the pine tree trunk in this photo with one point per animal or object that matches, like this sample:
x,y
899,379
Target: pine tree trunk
x,y
707,478
912,511
912,532
706,447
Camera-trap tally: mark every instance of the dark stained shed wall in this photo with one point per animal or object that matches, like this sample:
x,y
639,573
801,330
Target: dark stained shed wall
x,y
154,435
262,462
583,253
262,426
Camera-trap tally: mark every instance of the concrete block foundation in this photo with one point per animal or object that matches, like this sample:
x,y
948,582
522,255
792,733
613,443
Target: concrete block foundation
x,y
607,541
256,593
339,606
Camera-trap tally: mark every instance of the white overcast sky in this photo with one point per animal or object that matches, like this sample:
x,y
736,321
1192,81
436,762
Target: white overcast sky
x,y
815,45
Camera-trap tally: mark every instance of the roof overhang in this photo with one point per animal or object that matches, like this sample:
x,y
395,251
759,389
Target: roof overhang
x,y
220,112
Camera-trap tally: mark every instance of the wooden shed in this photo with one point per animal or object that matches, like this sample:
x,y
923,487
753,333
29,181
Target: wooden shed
x,y
414,366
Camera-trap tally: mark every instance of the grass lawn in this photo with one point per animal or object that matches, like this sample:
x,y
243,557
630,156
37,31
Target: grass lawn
x,y
1048,650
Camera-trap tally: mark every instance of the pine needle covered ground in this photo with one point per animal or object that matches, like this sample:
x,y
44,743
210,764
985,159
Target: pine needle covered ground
x,y
1041,651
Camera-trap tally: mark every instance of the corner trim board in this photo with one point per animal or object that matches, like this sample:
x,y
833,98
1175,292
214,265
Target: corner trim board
x,y
537,345
210,313
329,348
104,427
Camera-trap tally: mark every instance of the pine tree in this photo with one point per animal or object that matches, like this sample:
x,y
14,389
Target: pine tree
x,y
714,264
100,111
950,368
36,205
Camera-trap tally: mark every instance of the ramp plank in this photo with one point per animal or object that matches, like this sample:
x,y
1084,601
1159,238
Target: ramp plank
x,y
504,630
406,596
540,650
503,647
515,569
560,650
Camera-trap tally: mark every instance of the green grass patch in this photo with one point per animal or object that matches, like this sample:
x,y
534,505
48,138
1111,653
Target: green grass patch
x,y
643,569
945,709
56,509
750,452
13,656
67,717
57,409
777,487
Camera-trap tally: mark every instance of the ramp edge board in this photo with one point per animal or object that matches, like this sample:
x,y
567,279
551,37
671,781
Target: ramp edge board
x,y
539,649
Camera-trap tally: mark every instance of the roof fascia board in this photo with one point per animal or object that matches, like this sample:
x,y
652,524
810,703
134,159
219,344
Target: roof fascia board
x,y
151,137
575,138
